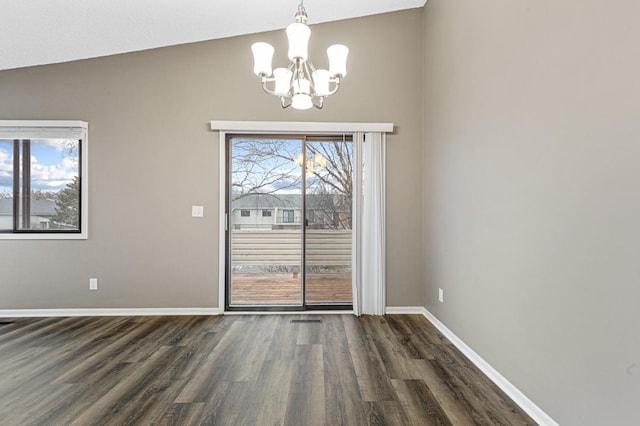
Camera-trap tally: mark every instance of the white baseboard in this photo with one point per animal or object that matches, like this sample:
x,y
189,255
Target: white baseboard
x,y
288,312
507,387
404,310
102,312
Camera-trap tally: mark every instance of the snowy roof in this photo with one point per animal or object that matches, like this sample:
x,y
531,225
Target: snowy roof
x,y
38,207
292,201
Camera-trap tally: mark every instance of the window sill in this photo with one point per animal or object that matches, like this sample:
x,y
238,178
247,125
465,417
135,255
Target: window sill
x,y
80,236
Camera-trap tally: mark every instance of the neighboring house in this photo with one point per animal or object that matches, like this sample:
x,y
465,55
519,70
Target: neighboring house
x,y
41,213
282,211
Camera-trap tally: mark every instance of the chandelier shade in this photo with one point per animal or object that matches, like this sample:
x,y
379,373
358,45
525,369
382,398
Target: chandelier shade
x,y
300,85
262,55
321,82
298,35
337,60
282,78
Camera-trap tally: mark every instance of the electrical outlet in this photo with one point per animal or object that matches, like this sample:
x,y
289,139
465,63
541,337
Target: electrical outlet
x,y
440,295
93,284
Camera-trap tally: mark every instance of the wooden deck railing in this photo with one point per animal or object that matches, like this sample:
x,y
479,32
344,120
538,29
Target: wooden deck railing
x,y
283,247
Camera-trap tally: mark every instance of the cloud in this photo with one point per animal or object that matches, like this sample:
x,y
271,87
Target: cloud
x,y
59,144
5,157
53,177
6,170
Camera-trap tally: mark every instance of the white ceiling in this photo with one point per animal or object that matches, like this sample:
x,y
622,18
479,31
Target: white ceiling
x,y
36,32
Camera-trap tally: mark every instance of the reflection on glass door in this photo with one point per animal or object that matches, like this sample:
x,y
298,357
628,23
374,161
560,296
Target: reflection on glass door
x,y
276,186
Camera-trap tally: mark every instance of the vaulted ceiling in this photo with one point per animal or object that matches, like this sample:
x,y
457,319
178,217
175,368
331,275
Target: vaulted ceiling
x,y
36,32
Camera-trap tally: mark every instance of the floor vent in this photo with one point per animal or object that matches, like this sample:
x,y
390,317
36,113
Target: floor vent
x,y
306,321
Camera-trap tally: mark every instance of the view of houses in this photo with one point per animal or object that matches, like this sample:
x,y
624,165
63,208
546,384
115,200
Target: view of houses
x,y
284,211
41,213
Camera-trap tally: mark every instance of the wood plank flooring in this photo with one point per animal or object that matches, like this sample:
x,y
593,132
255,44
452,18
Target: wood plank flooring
x,y
241,370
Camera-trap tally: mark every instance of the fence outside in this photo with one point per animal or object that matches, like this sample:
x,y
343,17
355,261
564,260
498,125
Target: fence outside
x,y
283,247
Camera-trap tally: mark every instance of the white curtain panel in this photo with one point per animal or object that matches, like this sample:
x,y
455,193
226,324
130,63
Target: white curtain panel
x,y
356,235
370,282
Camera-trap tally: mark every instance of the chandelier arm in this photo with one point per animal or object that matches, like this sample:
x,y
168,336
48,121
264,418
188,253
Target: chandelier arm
x,y
295,72
285,101
308,70
336,86
266,80
292,69
302,70
310,65
318,101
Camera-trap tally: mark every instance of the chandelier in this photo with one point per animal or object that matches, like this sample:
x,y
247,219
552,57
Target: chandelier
x,y
317,160
301,85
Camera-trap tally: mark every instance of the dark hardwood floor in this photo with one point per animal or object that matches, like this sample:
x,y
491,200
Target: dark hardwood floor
x,y
241,370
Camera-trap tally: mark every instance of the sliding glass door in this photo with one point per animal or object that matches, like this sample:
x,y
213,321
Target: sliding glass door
x,y
289,223
328,213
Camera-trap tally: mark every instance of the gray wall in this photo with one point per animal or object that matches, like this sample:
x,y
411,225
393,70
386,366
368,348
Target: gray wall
x,y
532,199
152,156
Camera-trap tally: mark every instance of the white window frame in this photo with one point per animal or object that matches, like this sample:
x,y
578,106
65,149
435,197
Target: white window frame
x,y
49,127
290,216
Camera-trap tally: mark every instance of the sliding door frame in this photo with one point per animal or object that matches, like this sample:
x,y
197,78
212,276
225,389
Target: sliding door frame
x,y
303,305
273,128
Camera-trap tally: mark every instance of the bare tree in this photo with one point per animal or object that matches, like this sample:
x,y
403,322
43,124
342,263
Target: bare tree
x,y
330,180
263,166
273,166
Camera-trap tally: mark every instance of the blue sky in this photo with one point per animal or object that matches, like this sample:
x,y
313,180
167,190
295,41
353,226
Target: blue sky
x,y
54,163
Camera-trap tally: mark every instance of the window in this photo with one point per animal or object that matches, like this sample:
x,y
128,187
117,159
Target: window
x,y
245,213
287,216
266,213
42,179
311,216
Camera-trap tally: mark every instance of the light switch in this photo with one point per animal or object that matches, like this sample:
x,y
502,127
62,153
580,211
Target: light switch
x,y
197,211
